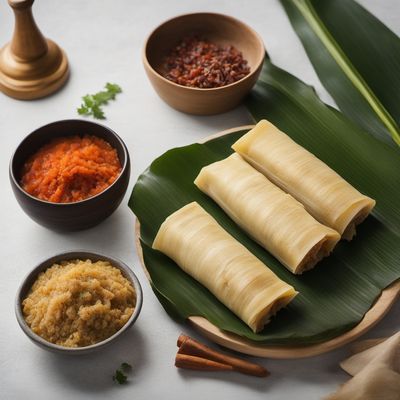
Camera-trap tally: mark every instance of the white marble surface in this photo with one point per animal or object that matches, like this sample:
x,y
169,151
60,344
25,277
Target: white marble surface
x,y
103,40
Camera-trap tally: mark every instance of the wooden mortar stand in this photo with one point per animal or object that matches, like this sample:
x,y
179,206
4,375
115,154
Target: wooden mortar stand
x,y
31,66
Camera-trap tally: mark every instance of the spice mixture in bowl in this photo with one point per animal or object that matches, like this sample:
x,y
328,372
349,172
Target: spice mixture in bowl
x,y
204,64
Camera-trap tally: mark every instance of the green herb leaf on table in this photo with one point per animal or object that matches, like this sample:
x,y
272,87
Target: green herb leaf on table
x,y
92,103
120,377
126,367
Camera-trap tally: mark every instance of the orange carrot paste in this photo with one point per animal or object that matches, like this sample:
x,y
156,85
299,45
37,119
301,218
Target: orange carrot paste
x,y
70,169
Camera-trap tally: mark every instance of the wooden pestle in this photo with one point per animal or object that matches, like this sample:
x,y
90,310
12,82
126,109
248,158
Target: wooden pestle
x,y
31,66
28,42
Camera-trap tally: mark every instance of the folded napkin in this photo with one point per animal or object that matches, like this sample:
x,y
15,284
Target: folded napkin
x,y
375,370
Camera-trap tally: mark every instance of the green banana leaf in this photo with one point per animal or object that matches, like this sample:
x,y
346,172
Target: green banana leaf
x,y
357,59
337,293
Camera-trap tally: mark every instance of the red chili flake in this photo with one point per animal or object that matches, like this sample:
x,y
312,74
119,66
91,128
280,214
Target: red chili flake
x,y
203,64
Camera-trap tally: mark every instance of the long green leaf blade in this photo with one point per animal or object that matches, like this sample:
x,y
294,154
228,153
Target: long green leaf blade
x,y
356,57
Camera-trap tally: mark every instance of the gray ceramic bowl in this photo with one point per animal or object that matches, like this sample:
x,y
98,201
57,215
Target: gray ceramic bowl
x,y
78,254
81,214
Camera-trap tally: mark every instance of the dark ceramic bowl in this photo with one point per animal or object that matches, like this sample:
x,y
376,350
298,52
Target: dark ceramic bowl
x,y
72,255
81,214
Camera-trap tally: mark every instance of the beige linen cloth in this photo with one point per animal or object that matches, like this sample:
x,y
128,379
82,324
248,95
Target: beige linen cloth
x,y
375,370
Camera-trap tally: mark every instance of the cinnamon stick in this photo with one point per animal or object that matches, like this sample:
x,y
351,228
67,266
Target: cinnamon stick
x,y
192,347
198,363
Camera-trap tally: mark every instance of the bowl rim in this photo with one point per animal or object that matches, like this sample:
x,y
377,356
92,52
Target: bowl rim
x,y
196,89
71,255
70,204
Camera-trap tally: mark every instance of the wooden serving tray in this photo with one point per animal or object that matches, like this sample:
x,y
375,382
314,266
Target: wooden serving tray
x,y
235,342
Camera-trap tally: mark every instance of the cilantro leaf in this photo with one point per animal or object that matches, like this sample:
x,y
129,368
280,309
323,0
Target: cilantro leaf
x,y
97,112
83,110
88,100
92,102
120,377
126,367
102,97
113,88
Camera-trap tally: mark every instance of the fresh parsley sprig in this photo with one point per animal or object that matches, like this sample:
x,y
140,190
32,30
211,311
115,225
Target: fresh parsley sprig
x,y
119,375
92,103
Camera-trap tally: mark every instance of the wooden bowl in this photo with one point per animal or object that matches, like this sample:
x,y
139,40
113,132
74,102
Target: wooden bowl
x,y
81,214
73,255
218,28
